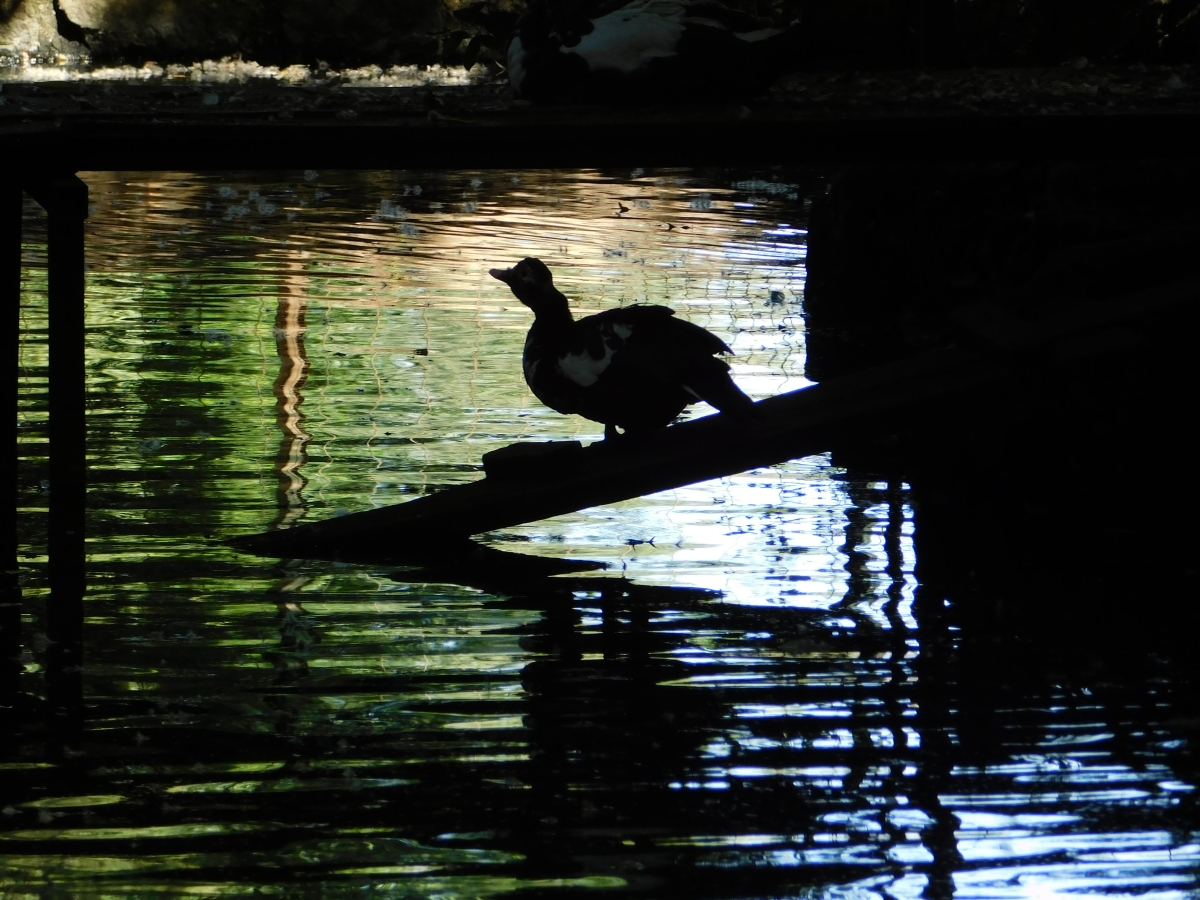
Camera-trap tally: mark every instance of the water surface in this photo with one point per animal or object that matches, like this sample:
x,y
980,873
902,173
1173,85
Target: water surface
x,y
743,704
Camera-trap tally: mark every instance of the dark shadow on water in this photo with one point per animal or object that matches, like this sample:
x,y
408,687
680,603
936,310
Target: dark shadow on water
x,y
646,738
485,568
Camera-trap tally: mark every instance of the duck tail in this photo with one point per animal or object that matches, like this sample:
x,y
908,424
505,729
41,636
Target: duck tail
x,y
732,401
715,387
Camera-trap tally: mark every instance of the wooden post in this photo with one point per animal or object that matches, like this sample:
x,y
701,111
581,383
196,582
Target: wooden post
x,y
65,199
10,302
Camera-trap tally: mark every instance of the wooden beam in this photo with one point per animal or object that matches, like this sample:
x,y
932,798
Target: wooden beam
x,y
65,199
10,301
572,137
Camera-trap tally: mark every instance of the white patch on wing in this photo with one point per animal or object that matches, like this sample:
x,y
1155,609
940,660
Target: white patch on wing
x,y
583,368
621,331
625,40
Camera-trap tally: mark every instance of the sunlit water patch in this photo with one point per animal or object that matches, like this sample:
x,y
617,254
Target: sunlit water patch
x,y
743,703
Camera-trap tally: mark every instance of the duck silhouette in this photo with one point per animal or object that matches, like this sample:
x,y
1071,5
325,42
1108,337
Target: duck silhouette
x,y
634,368
644,51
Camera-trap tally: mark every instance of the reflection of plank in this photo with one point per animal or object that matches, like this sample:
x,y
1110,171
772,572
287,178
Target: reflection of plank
x,y
800,423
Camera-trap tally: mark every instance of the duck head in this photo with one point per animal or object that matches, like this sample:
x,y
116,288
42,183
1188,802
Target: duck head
x,y
531,282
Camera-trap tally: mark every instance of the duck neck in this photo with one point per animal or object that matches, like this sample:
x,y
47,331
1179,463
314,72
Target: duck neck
x,y
552,314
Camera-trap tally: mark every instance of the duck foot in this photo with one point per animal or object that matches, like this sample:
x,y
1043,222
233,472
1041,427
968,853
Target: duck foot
x,y
628,438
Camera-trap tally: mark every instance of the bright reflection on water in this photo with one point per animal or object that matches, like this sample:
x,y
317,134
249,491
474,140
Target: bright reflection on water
x,y
754,712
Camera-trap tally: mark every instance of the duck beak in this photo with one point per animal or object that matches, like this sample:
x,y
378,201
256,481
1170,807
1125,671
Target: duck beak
x,y
505,275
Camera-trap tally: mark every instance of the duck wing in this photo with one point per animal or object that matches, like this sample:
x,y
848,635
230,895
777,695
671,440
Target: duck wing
x,y
644,350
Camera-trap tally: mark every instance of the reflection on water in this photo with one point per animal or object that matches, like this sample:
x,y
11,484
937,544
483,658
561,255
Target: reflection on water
x,y
743,704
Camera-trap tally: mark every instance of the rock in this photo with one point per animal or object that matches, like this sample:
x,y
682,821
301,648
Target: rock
x,y
855,34
29,29
346,33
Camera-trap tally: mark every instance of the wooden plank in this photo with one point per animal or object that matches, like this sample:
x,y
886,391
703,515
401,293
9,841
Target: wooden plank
x,y
800,423
790,425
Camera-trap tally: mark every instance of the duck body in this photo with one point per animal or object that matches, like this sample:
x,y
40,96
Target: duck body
x,y
642,51
635,368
